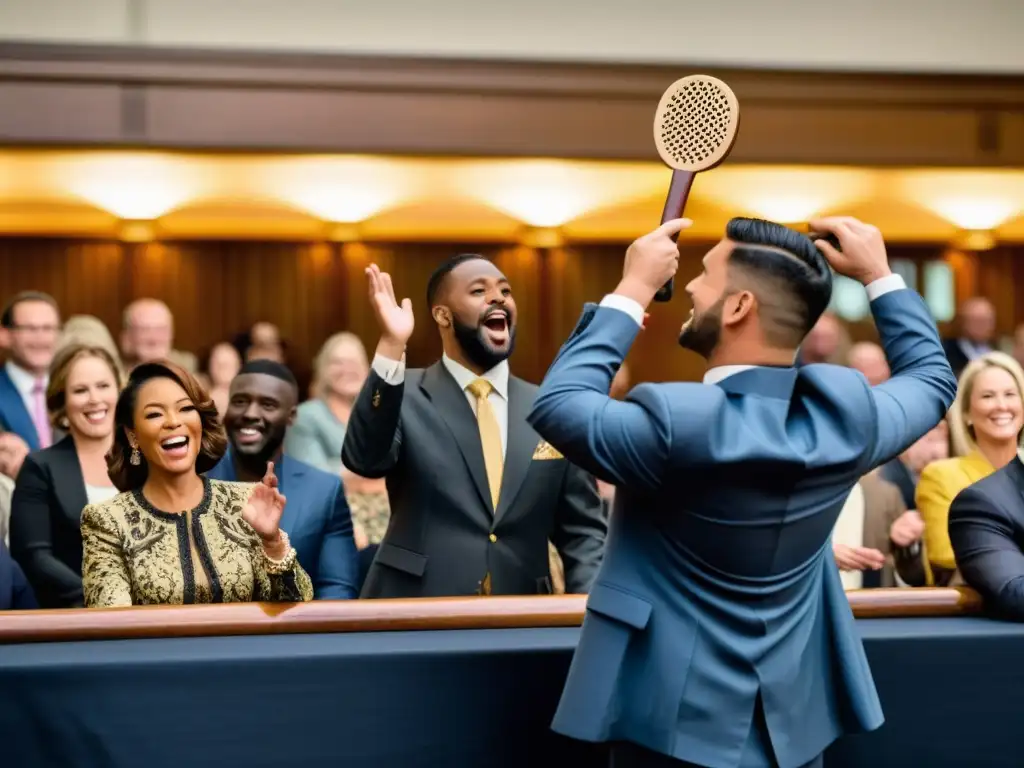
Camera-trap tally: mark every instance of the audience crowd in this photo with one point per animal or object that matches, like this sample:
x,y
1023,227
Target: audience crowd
x,y
70,392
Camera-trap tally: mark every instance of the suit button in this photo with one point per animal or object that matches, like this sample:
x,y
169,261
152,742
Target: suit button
x,y
493,538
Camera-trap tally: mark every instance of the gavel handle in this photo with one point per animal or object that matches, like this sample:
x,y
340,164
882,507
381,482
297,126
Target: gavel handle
x,y
675,204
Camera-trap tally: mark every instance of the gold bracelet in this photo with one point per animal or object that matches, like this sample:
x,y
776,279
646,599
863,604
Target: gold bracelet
x,y
283,565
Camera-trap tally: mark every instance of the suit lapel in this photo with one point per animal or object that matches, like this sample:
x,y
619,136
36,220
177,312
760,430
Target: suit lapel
x,y
70,489
12,410
522,441
454,409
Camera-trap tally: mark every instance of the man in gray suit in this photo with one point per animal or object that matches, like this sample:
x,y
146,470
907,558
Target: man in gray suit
x,y
475,493
717,632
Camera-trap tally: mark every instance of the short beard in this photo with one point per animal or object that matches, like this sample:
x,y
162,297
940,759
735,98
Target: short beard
x,y
704,331
476,349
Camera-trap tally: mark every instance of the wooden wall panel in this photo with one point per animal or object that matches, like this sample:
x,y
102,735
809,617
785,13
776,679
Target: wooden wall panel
x,y
217,289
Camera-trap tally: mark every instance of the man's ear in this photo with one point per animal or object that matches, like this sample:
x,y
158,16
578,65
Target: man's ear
x,y
442,316
292,415
738,306
5,338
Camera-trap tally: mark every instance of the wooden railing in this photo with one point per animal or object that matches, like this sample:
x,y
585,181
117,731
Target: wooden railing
x,y
390,615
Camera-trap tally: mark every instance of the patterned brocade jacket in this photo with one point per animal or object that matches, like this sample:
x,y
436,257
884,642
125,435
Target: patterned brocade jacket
x,y
136,554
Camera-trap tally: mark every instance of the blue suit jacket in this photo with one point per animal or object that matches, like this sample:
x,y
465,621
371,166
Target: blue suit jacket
x,y
15,592
318,522
718,584
14,417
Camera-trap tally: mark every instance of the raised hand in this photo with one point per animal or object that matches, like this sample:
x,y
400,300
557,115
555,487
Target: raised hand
x,y
395,320
651,261
264,508
861,255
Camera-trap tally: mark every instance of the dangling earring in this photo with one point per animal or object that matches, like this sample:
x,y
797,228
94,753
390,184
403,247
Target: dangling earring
x,y
135,459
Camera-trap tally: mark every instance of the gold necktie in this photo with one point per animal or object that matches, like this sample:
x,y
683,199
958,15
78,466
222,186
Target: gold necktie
x,y
490,436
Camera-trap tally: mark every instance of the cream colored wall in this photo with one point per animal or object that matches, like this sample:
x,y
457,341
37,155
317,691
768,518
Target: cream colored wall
x,y
899,35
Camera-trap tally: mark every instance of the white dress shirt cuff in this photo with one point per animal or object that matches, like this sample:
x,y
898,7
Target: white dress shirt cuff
x,y
884,285
624,304
392,371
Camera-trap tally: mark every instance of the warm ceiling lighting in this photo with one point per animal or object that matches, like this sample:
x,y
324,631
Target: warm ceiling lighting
x,y
786,195
137,231
550,193
130,186
972,200
541,237
345,190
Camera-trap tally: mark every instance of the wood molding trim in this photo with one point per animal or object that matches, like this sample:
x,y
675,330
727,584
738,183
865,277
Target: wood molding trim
x,y
245,101
391,615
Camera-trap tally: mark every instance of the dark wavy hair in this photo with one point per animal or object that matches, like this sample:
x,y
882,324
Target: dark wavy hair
x,y
125,475
785,270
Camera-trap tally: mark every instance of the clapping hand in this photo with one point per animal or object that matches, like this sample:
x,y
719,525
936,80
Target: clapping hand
x,y
907,529
263,511
861,255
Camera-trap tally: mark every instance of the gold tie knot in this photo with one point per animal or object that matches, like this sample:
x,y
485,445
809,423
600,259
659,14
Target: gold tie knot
x,y
480,388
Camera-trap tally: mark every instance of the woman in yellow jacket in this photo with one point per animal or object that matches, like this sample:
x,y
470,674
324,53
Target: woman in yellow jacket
x,y
985,425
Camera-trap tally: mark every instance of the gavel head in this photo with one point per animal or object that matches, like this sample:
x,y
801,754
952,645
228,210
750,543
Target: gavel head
x,y
696,123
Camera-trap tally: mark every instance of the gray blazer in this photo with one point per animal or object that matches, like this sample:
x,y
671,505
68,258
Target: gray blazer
x,y
316,437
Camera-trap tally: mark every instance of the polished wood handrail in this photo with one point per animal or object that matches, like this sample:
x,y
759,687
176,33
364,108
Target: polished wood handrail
x,y
390,615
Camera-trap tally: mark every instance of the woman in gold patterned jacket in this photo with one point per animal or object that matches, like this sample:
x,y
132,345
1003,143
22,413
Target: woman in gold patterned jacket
x,y
172,535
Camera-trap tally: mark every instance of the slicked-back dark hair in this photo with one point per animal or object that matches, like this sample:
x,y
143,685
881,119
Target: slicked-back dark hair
x,y
438,276
785,271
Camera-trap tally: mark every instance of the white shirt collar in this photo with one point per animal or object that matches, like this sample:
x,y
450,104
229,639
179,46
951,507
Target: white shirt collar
x,y
715,375
498,375
23,381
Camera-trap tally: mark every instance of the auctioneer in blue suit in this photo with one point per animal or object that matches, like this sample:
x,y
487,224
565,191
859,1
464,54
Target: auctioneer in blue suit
x,y
717,631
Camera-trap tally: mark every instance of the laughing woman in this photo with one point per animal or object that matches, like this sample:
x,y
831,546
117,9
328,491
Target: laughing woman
x,y
172,535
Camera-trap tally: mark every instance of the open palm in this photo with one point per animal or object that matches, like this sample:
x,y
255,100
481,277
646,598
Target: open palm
x,y
396,320
265,506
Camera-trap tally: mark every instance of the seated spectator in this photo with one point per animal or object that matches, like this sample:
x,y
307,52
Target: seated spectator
x,y
221,366
93,332
55,484
15,592
877,539
869,358
340,370
905,470
30,326
985,423
148,336
172,535
262,403
986,529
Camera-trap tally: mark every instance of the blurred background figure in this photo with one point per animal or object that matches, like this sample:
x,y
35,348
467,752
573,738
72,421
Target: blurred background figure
x,y
339,373
91,331
221,366
148,336
976,321
869,358
827,342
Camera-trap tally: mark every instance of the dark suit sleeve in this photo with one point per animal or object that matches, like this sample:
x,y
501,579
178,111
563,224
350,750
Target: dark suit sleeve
x,y
22,596
339,567
922,387
987,555
580,530
32,536
373,435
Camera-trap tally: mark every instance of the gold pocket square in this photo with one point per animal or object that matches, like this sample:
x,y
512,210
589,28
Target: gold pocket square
x,y
545,452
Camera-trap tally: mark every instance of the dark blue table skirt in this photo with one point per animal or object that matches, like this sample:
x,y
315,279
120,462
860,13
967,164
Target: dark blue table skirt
x,y
952,689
